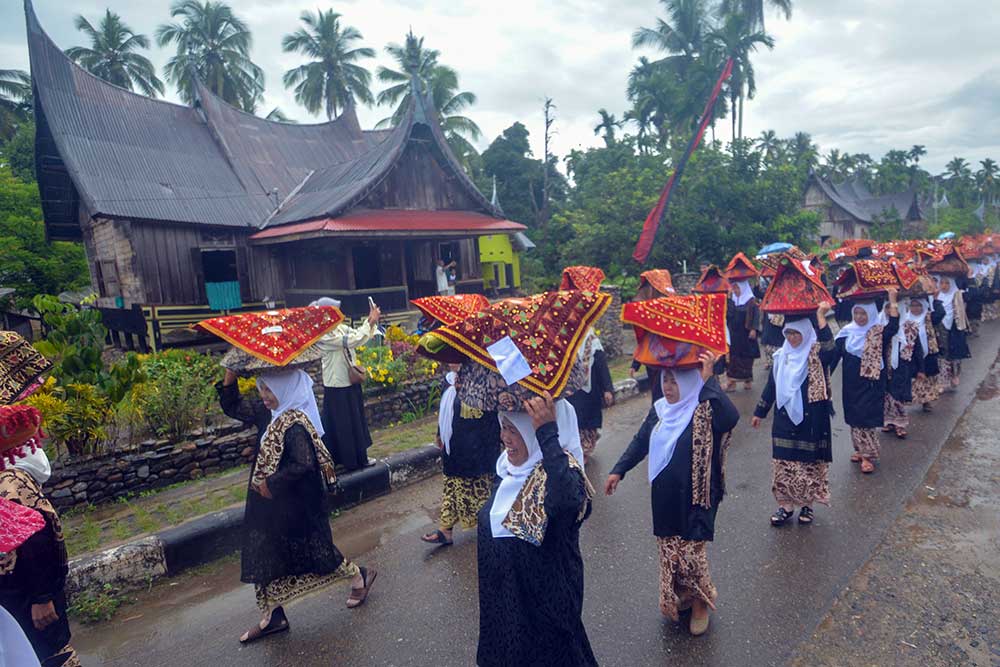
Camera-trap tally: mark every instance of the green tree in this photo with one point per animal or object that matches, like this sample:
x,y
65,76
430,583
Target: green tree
x,y
887,225
418,66
737,39
768,143
15,100
608,125
986,179
753,10
213,45
332,79
19,152
28,263
112,55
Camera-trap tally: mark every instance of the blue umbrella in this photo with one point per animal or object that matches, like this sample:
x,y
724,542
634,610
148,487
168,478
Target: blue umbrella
x,y
947,235
774,248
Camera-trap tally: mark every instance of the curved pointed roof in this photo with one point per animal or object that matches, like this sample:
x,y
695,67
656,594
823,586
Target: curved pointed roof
x,y
131,156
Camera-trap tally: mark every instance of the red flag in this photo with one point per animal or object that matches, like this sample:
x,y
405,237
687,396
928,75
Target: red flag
x,y
645,243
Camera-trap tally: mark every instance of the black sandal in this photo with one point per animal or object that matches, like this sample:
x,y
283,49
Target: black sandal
x,y
438,538
781,517
278,623
806,515
359,595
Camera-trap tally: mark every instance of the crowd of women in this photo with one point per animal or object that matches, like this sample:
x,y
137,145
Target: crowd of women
x,y
514,457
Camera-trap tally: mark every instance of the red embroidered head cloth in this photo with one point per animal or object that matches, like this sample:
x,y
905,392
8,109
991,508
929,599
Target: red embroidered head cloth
x,y
546,328
586,278
711,281
741,268
654,283
276,337
20,431
797,289
451,309
17,524
673,331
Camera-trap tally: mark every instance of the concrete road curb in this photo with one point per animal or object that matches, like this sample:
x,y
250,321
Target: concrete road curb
x,y
210,537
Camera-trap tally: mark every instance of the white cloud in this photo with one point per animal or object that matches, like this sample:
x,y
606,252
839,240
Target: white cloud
x,y
859,75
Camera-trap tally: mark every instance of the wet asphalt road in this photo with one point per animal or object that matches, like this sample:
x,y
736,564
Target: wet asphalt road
x,y
774,584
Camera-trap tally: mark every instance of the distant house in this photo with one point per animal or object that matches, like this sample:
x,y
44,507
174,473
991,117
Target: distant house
x,y
187,211
849,209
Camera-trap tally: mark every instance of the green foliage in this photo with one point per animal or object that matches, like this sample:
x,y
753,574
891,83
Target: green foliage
x,y
96,605
19,152
958,220
887,225
178,392
74,341
28,263
75,416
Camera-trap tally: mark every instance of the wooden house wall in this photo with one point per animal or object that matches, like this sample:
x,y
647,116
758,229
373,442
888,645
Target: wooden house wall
x,y
417,181
112,261
834,221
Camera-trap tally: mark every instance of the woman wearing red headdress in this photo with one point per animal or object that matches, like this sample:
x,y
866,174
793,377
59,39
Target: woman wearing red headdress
x,y
33,576
684,437
741,319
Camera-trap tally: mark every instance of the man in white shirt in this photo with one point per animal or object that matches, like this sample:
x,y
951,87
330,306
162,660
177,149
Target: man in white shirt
x,y
441,275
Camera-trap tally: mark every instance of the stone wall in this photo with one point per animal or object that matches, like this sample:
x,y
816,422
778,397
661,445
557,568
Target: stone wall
x,y
610,324
159,463
683,282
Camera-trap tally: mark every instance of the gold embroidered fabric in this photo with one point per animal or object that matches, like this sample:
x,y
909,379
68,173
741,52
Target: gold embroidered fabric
x,y
272,446
469,412
526,519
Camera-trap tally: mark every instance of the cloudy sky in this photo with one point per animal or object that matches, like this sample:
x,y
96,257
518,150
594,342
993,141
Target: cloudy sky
x,y
859,75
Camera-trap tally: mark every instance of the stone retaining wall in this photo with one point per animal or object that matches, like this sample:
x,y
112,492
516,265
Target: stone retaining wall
x,y
158,463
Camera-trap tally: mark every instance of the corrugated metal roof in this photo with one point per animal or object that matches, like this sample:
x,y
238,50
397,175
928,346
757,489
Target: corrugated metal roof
x,y
389,221
854,197
131,156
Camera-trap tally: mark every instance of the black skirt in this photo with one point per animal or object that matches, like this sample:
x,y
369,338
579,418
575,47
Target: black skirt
x,y
347,437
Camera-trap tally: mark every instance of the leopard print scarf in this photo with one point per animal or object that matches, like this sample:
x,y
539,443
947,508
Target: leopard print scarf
x,y
932,341
526,519
272,446
702,444
819,381
20,487
871,357
910,333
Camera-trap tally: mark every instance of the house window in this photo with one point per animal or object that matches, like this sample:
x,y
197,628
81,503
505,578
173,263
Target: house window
x,y
222,279
367,269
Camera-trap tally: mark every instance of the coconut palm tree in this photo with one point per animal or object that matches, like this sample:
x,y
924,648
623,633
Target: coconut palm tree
x,y
737,39
332,79
917,152
753,10
15,100
213,45
112,54
608,125
768,143
278,115
418,66
986,179
682,37
803,150
958,169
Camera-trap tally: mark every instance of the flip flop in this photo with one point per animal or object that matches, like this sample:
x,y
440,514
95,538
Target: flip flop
x,y
438,538
278,623
359,595
867,467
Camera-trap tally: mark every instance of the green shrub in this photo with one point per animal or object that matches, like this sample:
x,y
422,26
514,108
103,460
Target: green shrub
x,y
178,393
96,606
74,416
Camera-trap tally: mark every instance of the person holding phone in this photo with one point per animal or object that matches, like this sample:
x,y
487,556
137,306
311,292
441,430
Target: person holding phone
x,y
444,286
347,436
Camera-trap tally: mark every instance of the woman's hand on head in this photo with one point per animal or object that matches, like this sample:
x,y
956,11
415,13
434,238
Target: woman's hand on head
x,y
707,360
611,485
541,409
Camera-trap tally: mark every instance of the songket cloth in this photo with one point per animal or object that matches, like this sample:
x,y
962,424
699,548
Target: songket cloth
x,y
281,591
866,442
800,483
684,575
463,497
895,412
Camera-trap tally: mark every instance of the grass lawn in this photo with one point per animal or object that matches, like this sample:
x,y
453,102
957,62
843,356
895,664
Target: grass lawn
x,y
619,367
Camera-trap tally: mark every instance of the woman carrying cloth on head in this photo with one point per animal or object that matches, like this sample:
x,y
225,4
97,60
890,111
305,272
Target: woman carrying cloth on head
x,y
288,549
798,388
596,394
861,347
530,567
952,332
684,436
33,576
469,439
913,366
742,321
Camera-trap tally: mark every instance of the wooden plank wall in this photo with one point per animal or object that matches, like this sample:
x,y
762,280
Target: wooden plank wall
x,y
417,181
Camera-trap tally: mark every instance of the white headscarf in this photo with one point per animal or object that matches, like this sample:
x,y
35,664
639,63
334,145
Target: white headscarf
x,y
35,463
899,340
674,418
746,293
326,301
791,367
595,347
294,391
512,478
447,412
855,333
15,649
947,300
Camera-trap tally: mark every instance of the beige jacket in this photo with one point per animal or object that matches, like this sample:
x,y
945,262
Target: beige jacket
x,y
332,348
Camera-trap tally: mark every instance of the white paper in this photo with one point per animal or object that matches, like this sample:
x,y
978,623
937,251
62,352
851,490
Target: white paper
x,y
510,362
